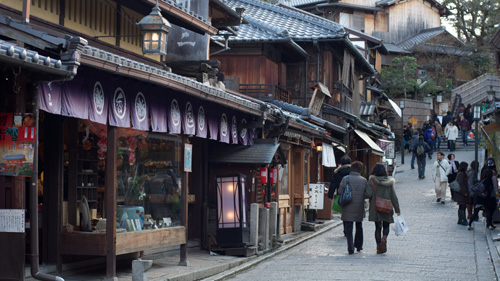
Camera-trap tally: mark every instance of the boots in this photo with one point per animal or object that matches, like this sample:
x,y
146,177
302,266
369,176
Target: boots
x,y
379,249
383,245
462,219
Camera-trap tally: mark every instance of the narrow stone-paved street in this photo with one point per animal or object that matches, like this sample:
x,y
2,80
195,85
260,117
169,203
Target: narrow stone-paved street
x,y
434,248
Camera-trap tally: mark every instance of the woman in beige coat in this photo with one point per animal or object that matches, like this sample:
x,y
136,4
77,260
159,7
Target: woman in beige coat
x,y
384,188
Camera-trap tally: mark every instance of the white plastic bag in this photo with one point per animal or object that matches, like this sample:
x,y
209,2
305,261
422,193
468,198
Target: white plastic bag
x,y
400,226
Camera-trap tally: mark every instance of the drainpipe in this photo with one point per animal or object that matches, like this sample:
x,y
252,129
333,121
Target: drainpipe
x,y
33,195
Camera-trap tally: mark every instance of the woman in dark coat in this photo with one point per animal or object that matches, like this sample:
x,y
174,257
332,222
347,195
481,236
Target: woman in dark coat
x,y
487,204
384,188
453,173
354,212
463,197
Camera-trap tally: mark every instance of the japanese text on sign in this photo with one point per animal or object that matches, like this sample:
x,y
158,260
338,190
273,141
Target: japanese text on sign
x,y
316,195
11,220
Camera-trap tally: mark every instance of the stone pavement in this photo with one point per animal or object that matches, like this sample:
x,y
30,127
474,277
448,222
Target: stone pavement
x,y
435,248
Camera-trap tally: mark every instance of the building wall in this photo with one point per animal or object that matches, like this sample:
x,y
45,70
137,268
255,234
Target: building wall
x,y
251,69
413,108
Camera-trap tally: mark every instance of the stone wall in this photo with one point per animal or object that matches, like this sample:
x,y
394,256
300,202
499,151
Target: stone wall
x,y
413,108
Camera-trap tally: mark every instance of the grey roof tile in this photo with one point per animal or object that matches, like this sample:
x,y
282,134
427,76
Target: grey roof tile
x,y
300,26
423,36
295,3
20,55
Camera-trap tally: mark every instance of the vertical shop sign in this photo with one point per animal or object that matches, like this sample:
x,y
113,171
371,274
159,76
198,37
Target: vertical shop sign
x,y
17,138
188,155
316,196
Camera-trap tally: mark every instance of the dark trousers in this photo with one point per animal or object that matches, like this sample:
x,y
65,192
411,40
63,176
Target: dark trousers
x,y
413,156
381,226
451,145
358,239
489,208
421,166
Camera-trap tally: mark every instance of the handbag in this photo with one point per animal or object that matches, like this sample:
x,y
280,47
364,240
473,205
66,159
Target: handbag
x,y
346,197
455,186
335,205
382,205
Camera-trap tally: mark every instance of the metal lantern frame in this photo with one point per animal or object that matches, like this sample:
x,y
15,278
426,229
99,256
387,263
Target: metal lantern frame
x,y
154,29
231,210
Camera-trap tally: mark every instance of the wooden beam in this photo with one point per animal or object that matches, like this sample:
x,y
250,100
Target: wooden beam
x,y
184,206
110,197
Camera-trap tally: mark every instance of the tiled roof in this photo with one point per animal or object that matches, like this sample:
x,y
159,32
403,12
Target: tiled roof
x,y
184,10
300,27
391,48
384,2
12,54
158,74
256,30
295,3
422,36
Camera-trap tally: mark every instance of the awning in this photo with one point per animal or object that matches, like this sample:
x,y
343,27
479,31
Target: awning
x,y
259,153
491,128
375,148
396,108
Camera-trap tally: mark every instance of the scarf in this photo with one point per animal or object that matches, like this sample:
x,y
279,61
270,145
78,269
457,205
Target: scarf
x,y
453,167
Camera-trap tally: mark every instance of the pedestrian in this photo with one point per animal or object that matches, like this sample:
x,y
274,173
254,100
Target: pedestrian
x,y
440,170
464,128
420,149
488,204
463,196
354,212
439,134
383,186
340,172
451,133
429,137
472,173
469,113
407,137
453,171
447,118
413,142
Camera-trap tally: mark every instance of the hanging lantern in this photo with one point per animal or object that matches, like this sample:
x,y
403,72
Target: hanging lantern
x,y
154,30
273,175
263,175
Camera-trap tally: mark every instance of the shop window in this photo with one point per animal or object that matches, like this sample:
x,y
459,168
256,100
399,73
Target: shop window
x,y
283,179
148,168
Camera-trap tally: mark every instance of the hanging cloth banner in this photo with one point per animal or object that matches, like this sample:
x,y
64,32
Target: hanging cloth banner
x,y
174,117
139,111
119,109
224,128
201,123
243,134
234,130
158,113
98,111
49,97
328,156
213,125
75,100
189,124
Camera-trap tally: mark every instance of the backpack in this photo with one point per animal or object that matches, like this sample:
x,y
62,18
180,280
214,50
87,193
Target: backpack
x,y
420,150
433,136
479,189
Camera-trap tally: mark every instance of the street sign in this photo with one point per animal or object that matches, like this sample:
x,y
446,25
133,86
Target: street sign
x,y
316,196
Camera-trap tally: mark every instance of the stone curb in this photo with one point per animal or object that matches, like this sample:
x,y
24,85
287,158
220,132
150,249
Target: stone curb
x,y
494,255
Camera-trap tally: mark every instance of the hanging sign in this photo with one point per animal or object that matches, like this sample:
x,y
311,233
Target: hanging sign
x,y
17,139
12,220
202,127
188,154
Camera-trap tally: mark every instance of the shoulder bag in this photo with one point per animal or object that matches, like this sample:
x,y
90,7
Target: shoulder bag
x,y
346,196
382,205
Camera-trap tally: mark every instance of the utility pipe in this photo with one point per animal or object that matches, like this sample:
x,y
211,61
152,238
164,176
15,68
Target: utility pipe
x,y
33,203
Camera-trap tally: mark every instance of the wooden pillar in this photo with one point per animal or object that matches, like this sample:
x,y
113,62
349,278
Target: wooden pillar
x,y
110,201
184,205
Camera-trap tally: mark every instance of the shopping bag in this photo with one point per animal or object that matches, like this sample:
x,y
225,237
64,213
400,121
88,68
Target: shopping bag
x,y
400,226
335,205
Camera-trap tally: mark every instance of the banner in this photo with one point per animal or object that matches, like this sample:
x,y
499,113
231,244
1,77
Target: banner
x,y
174,117
224,128
201,123
234,130
158,113
189,122
49,97
17,140
140,112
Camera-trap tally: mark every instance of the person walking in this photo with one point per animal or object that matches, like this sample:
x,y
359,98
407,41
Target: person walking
x,y
419,150
472,173
429,137
447,118
343,170
439,135
440,170
464,128
489,203
451,133
413,142
354,212
463,196
407,137
381,186
453,172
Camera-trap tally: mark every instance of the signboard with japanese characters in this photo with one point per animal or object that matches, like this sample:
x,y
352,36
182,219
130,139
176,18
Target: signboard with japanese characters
x,y
316,195
12,220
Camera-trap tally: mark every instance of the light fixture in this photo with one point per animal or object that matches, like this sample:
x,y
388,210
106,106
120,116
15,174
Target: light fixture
x,y
231,210
477,112
319,148
154,30
402,104
439,98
